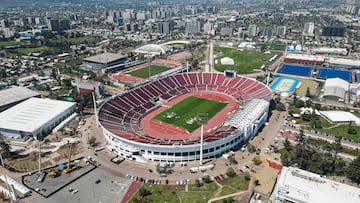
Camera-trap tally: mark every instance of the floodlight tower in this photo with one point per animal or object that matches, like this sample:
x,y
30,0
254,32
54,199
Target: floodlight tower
x,y
40,158
202,120
95,110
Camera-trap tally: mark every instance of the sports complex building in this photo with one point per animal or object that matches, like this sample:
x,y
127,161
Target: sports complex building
x,y
35,117
159,120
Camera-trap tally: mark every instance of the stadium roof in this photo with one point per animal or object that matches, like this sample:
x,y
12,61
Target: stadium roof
x,y
302,186
153,49
105,58
15,94
340,117
31,114
249,114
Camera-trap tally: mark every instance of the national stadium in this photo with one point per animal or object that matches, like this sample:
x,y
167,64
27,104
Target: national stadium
x,y
159,120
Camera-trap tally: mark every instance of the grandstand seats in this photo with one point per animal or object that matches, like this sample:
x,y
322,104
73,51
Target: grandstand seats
x,y
121,114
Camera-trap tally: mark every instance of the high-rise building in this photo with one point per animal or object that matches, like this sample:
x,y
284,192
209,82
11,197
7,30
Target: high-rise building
x,y
242,34
226,31
253,30
333,31
193,27
268,32
309,29
37,21
281,31
134,27
208,28
165,27
58,25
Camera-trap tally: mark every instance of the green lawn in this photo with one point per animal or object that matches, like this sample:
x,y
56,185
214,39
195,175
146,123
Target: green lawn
x,y
144,72
8,43
188,109
176,193
25,51
245,61
277,47
341,130
232,185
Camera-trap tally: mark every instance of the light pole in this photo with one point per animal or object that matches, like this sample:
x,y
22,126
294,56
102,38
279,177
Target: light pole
x,y
202,120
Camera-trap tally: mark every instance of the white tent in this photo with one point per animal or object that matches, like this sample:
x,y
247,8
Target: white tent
x,y
227,61
336,87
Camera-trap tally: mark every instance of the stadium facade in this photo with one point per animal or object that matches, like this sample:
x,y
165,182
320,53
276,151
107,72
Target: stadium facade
x,y
120,116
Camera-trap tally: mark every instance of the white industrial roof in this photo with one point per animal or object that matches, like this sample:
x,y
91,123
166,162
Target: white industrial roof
x,y
14,94
18,186
328,50
305,186
337,82
307,57
105,58
345,62
334,91
153,49
340,117
336,87
31,114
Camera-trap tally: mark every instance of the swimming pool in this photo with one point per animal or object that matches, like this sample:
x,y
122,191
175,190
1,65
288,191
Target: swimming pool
x,y
285,85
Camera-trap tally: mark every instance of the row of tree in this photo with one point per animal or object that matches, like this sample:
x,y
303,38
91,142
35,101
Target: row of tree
x,y
310,158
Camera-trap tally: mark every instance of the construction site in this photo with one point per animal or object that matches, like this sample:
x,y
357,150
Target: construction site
x,y
47,181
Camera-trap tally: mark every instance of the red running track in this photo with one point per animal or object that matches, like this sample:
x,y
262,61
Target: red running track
x,y
134,187
166,131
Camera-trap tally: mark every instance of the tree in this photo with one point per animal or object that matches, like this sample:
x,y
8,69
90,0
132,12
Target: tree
x,y
143,192
353,170
287,144
206,179
230,172
92,141
232,159
5,147
351,129
337,150
280,107
308,94
251,148
308,103
256,160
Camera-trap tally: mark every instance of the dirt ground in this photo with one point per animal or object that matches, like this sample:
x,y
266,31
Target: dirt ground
x,y
180,57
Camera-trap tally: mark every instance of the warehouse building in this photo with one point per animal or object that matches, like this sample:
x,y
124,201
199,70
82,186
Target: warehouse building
x,y
104,60
11,96
299,186
34,117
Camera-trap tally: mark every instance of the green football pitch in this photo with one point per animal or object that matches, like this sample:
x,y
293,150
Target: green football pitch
x,y
144,72
184,114
245,61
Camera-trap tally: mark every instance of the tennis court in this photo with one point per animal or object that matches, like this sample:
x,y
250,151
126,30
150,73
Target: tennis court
x,y
325,73
285,85
296,70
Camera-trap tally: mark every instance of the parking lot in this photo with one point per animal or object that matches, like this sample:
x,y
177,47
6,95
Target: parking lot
x,y
96,186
